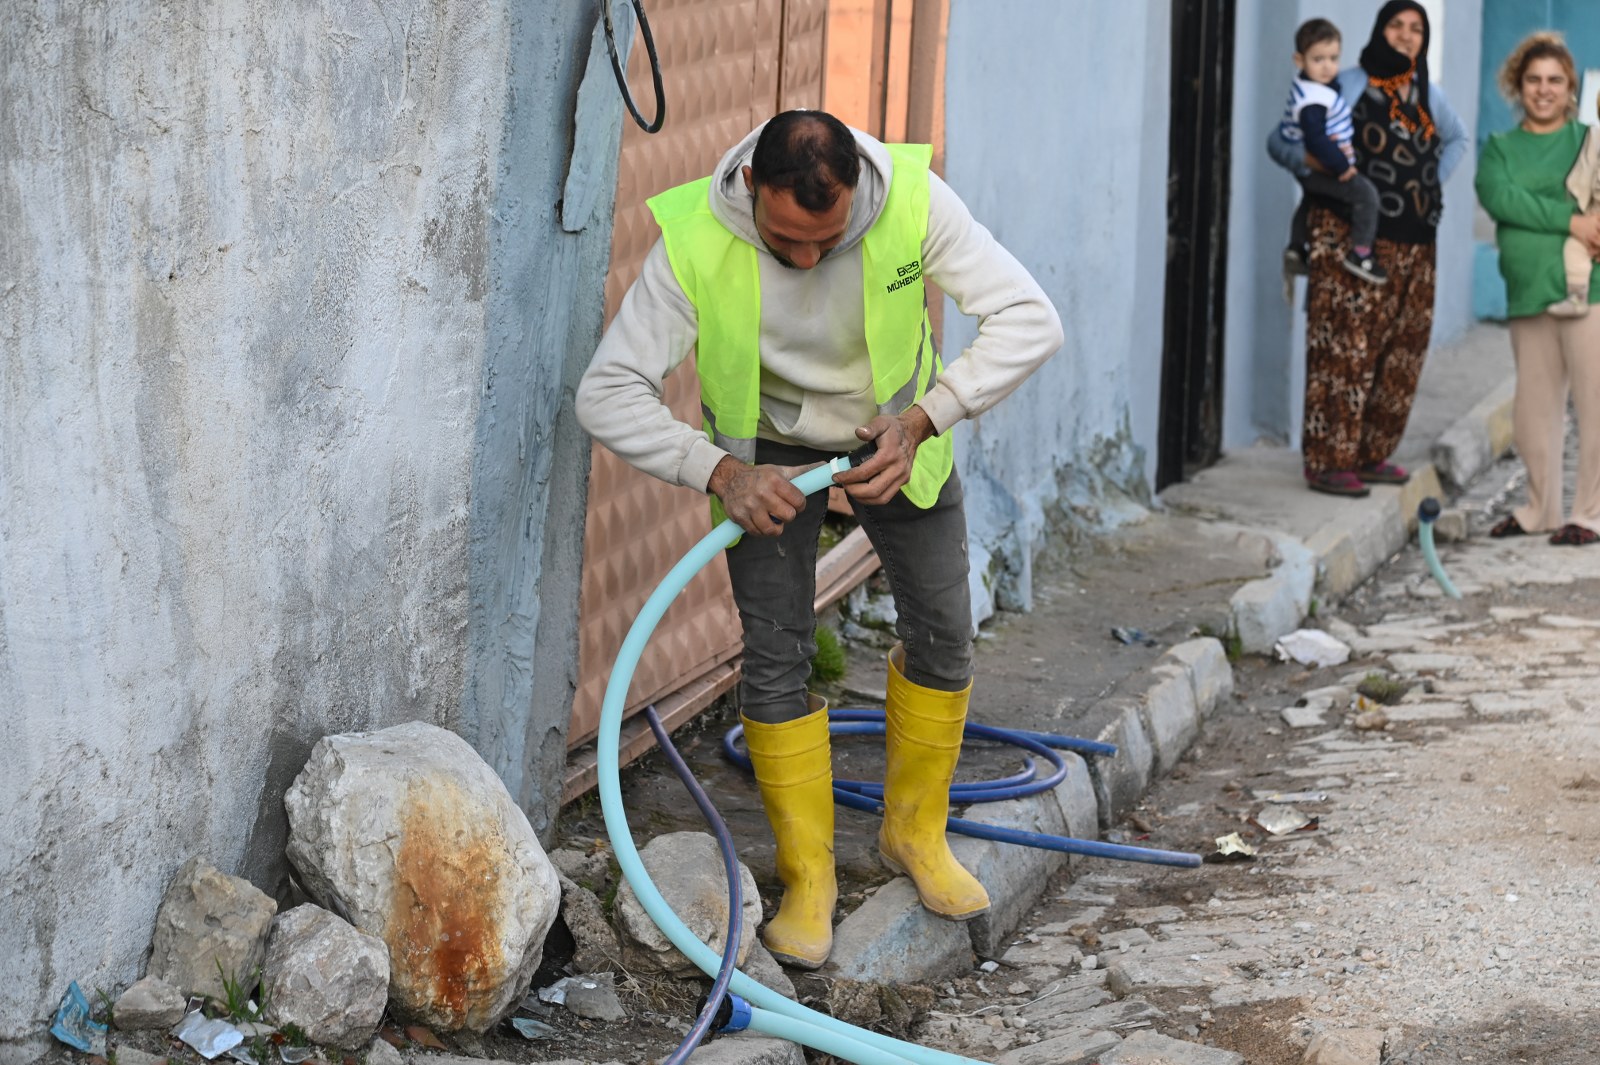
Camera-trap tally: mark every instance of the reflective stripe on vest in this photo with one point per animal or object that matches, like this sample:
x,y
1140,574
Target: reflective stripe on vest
x,y
721,275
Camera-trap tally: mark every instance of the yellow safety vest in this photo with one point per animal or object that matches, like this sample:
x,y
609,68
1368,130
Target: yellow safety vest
x,y
720,274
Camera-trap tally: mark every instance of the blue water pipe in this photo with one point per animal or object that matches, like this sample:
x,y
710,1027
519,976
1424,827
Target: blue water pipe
x,y
1427,514
750,1004
867,796
730,868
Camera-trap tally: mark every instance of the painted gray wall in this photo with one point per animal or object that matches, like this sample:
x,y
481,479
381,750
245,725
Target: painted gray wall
x,y
288,324
1076,189
1265,372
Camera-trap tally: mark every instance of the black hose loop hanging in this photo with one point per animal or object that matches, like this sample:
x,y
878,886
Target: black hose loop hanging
x,y
622,77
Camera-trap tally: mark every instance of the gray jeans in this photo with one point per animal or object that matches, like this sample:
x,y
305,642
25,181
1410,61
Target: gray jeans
x,y
1359,194
924,554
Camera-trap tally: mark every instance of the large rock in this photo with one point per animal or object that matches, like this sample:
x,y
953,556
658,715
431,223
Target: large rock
x,y
686,868
210,927
150,1003
409,835
330,979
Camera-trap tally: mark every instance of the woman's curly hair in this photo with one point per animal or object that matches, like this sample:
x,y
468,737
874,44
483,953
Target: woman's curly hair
x,y
1542,45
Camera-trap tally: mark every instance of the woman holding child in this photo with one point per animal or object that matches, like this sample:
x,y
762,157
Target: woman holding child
x,y
1535,181
1366,339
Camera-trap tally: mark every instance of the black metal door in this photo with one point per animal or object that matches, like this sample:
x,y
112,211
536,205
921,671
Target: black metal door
x,y
1190,434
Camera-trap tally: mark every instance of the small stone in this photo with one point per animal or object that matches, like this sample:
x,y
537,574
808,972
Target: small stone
x,y
150,1003
1018,988
381,1053
593,997
1090,962
1372,720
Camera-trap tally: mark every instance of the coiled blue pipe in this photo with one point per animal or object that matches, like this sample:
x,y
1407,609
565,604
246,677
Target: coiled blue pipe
x,y
868,795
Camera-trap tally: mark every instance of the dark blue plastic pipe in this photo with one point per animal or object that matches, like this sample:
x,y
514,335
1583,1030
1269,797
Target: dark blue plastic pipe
x,y
730,867
867,796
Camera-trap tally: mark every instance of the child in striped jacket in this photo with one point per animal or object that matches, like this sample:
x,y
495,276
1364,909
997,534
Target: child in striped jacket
x,y
1318,116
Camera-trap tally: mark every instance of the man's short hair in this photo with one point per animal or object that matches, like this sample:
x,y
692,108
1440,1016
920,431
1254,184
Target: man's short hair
x,y
809,153
1314,32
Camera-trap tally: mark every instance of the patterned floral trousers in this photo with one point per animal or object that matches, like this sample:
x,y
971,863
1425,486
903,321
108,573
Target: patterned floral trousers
x,y
1364,348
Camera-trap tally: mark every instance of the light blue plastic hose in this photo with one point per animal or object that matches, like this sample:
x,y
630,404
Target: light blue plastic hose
x,y
776,1015
1427,514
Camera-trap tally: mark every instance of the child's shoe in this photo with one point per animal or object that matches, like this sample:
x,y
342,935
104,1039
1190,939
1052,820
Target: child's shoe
x,y
1576,305
1365,267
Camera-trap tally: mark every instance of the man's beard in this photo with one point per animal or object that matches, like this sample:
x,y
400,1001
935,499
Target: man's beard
x,y
783,262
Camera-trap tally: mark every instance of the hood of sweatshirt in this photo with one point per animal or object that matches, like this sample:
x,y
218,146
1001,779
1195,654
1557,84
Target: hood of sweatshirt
x,y
734,207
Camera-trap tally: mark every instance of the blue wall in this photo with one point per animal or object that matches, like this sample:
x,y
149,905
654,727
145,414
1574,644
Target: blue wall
x,y
1073,182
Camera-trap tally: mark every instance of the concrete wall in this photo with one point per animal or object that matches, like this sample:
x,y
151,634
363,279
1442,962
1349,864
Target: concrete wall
x,y
1265,374
1074,185
286,316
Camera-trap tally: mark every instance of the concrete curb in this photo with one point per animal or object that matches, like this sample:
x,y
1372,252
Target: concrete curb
x,y
1267,608
1473,444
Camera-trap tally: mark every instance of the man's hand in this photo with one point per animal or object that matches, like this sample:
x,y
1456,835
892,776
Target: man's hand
x,y
1586,227
1349,175
876,480
759,499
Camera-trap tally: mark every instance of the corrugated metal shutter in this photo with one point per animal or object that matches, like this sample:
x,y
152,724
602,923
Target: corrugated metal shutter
x,y
722,61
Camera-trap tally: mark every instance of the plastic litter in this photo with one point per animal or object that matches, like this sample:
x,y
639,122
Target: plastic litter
x,y
1128,635
294,1055
556,993
207,1037
1232,848
1279,820
75,1026
529,1028
243,1053
1312,647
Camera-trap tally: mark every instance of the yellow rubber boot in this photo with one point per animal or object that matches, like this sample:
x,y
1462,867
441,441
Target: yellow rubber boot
x,y
924,742
795,773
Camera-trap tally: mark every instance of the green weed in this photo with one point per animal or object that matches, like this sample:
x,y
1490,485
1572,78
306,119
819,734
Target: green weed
x,y
827,665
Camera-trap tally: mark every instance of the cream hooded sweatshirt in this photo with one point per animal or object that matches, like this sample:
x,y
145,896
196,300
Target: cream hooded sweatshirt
x,y
816,375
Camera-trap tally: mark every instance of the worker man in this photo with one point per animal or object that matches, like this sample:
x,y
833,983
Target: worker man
x,y
796,273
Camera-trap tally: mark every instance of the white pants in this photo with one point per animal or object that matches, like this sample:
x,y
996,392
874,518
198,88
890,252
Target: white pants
x,y
1554,356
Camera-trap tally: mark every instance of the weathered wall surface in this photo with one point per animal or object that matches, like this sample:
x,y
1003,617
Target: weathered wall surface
x,y
550,245
1076,189
283,361
1265,375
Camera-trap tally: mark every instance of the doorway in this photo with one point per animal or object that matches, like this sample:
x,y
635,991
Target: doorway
x,y
1189,436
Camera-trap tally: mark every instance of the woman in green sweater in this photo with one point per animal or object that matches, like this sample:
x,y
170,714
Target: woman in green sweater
x,y
1522,184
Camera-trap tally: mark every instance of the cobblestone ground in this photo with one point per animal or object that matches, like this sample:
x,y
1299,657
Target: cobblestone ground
x,y
1443,908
